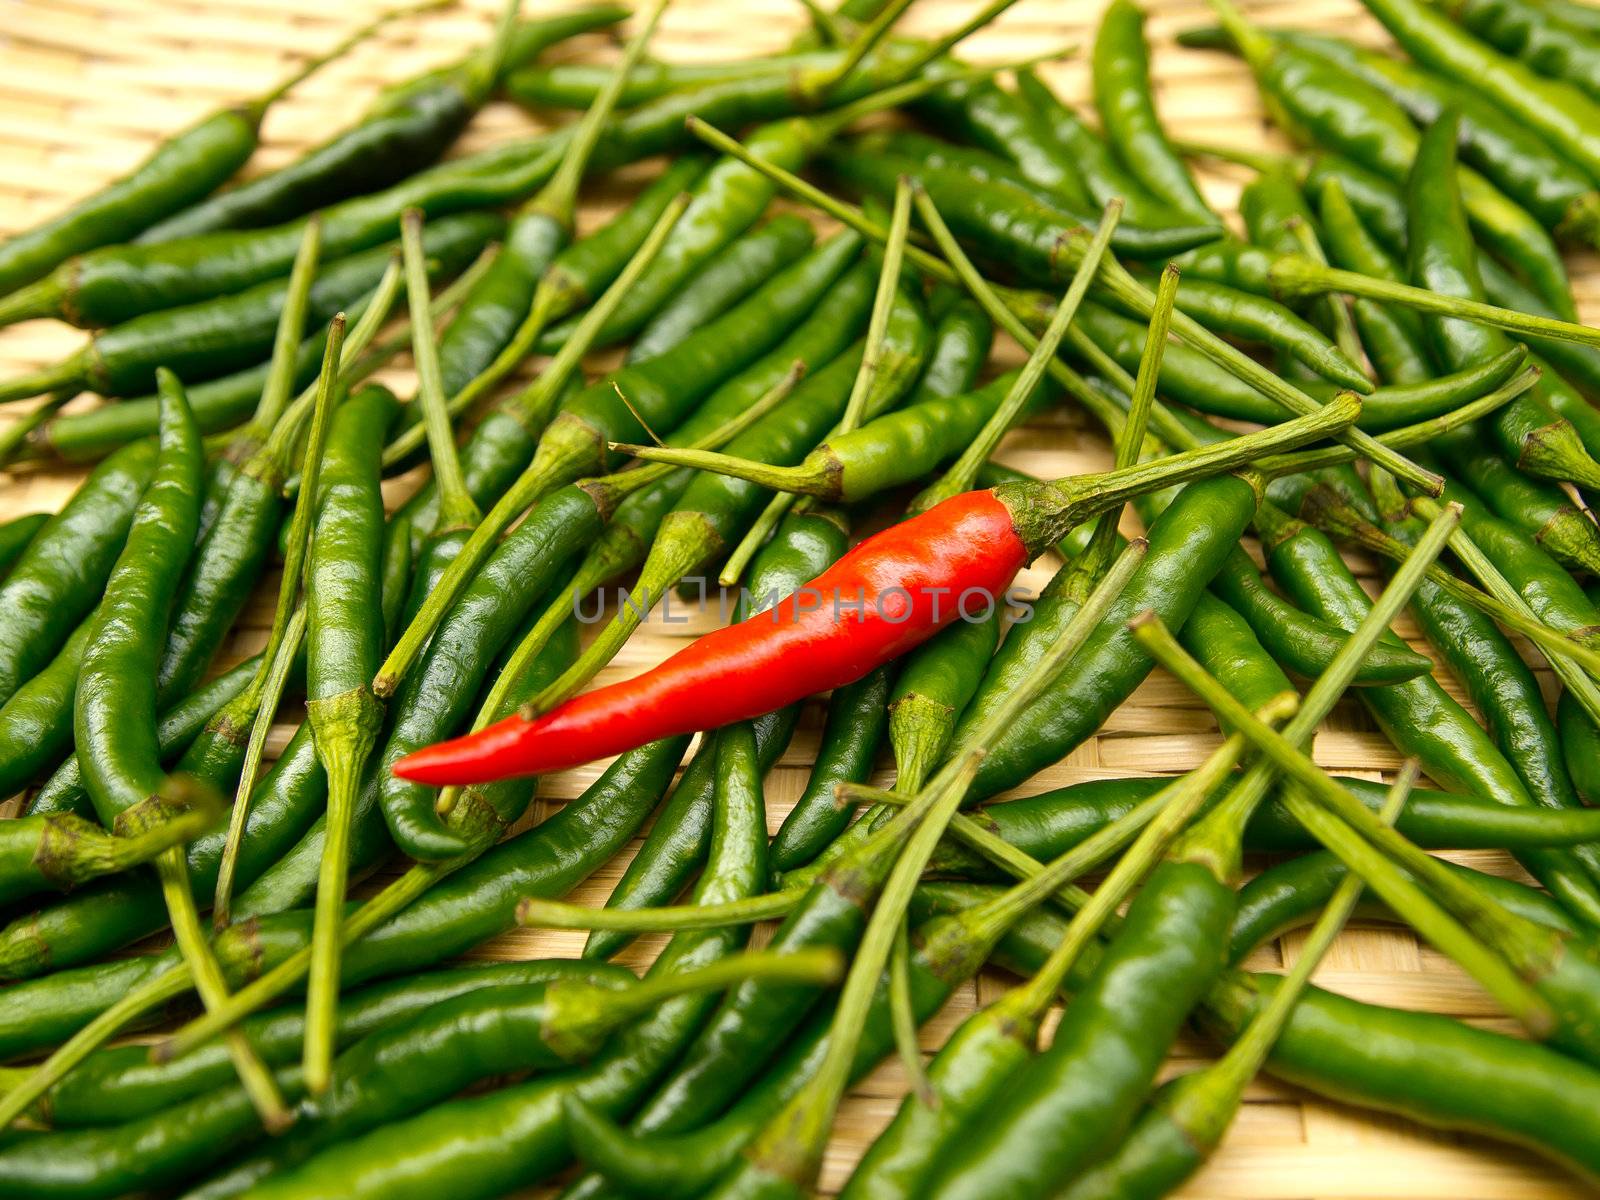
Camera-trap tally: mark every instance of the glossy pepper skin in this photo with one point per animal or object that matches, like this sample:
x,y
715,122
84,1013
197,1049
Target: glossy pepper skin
x,y
114,719
1197,531
1567,118
768,661
410,125
212,338
58,578
1121,75
1292,893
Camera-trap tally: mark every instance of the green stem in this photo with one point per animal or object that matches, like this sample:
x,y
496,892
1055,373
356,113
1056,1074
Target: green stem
x,y
269,986
553,914
1571,659
172,869
558,199
540,397
273,461
961,474
1129,290
457,509
285,345
817,87
1407,436
733,570
1218,1090
15,436
274,679
1227,821
903,1017
1344,324
894,253
1332,820
1130,442
1295,275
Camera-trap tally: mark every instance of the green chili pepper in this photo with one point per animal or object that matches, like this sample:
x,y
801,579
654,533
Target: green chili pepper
x,y
581,272
121,1084
1122,94
58,579
1103,176
184,168
1418,717
849,745
1443,258
210,339
15,537
343,646
896,448
115,707
1287,896
1323,103
749,261
1519,161
1579,738
1005,125
1538,37
1550,591
406,128
36,723
1556,110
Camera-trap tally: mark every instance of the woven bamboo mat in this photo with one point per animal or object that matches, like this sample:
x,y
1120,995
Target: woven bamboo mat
x,y
87,86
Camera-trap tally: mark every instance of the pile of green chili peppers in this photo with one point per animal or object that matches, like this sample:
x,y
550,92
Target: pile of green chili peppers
x,y
1387,360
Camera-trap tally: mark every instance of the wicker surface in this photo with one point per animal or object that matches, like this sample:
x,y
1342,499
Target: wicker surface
x,y
86,86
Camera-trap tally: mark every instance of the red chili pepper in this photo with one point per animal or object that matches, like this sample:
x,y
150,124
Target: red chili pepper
x,y
892,592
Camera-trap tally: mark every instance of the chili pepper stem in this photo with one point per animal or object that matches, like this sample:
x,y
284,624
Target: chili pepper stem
x,y
1487,966
566,448
285,348
70,373
1502,602
1420,434
273,983
261,705
536,913
1203,1105
962,473
173,871
346,728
